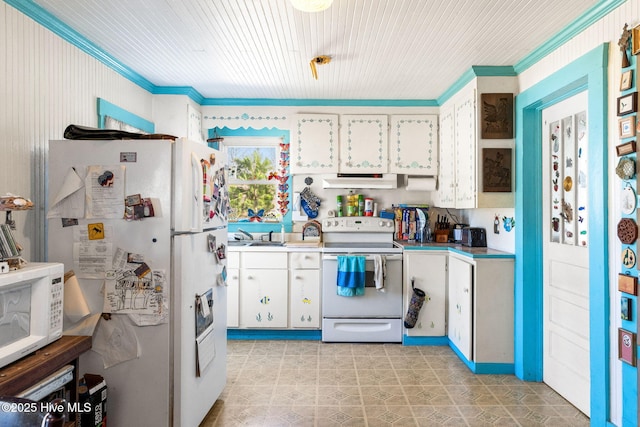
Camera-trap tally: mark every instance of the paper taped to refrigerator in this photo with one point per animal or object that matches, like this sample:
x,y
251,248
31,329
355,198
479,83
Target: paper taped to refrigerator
x,y
126,292
104,191
69,201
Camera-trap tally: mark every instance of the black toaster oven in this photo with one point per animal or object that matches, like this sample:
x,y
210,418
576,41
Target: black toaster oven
x,y
474,236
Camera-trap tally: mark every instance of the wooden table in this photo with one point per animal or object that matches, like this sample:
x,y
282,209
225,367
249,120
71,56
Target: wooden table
x,y
31,369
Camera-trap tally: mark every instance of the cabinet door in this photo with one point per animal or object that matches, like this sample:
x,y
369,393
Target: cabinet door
x,y
413,144
465,137
263,298
460,306
233,298
314,144
304,298
446,172
429,273
363,144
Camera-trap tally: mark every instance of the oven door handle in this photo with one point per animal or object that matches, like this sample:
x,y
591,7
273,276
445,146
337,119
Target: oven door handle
x,y
394,257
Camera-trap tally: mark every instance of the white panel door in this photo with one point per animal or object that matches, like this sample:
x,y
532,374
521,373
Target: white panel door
x,y
304,298
314,143
465,136
461,306
566,256
363,144
264,298
413,144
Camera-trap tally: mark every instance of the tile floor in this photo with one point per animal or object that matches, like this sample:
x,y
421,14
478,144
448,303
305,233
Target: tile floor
x,y
310,383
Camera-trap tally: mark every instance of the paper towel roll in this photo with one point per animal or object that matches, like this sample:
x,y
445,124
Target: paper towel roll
x,y
421,183
75,306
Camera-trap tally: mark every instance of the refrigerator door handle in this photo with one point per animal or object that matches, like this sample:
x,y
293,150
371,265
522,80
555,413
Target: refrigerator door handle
x,y
197,183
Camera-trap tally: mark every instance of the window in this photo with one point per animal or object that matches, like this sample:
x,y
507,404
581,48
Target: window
x,y
257,178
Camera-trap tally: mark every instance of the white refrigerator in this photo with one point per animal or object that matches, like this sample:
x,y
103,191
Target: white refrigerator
x,y
143,224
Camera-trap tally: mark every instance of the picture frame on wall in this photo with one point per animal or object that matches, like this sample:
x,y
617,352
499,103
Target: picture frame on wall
x,y
497,116
627,127
496,170
626,148
627,104
626,80
627,346
635,40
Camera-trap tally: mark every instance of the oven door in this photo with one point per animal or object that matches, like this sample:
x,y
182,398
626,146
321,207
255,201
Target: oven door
x,y
374,303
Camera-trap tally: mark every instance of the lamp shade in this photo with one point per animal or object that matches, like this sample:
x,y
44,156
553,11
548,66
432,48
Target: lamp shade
x,y
311,5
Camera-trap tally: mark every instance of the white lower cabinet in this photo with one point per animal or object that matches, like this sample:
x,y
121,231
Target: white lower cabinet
x,y
460,306
304,289
264,296
304,298
277,290
429,273
481,308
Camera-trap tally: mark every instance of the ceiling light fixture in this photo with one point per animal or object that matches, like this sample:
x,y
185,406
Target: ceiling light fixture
x,y
311,5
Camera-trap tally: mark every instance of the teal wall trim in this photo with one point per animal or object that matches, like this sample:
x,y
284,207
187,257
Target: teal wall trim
x,y
424,341
105,108
588,72
483,368
320,102
581,23
257,334
180,90
259,227
472,73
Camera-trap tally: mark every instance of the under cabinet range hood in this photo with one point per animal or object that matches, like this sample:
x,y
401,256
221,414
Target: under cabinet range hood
x,y
361,180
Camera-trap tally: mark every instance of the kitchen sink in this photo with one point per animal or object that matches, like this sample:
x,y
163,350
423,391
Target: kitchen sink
x,y
253,243
266,244
239,242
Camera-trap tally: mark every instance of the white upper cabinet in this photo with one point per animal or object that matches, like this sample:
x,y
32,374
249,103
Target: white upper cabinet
x,y
461,148
364,144
413,144
314,144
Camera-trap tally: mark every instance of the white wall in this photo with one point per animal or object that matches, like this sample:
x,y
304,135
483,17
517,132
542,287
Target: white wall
x,y
608,30
47,84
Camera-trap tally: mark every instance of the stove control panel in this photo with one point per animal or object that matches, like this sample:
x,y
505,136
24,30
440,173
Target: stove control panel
x,y
367,224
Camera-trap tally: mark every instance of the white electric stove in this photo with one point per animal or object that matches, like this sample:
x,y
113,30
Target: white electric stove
x,y
375,316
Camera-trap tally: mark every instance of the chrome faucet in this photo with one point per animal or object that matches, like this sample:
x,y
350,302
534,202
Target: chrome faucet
x,y
245,233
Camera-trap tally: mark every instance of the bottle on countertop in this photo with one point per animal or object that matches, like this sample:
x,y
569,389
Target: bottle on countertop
x,y
352,204
282,233
339,206
360,205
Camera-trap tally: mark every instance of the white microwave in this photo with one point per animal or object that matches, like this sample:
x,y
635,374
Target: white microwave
x,y
31,309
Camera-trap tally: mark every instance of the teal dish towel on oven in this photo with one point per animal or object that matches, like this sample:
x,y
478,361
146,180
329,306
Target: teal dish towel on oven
x,y
351,275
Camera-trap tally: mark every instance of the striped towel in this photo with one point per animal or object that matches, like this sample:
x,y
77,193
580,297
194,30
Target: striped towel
x,y
351,275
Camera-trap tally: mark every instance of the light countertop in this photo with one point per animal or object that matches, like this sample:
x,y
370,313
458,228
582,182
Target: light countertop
x,y
456,248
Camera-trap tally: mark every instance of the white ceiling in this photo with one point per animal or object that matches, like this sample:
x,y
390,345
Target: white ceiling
x,y
380,49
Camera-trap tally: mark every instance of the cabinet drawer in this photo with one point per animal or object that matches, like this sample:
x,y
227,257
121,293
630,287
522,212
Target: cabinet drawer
x,y
269,260
304,260
233,259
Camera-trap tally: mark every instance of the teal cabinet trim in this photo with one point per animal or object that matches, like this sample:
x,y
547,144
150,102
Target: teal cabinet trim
x,y
588,72
424,341
259,334
105,108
